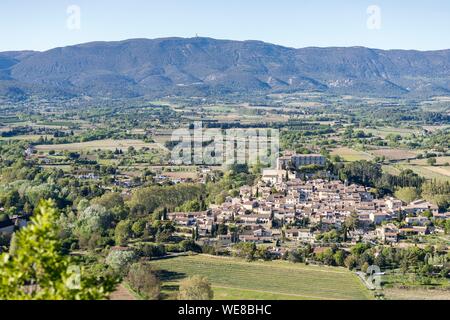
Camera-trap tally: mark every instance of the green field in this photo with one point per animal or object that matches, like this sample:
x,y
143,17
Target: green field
x,y
28,137
441,161
276,280
384,132
440,173
391,169
428,172
351,155
106,144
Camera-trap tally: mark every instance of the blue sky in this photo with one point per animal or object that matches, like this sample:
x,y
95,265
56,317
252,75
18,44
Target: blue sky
x,y
41,24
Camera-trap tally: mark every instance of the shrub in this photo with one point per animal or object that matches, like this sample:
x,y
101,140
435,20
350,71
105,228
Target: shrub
x,y
143,280
119,260
195,288
151,250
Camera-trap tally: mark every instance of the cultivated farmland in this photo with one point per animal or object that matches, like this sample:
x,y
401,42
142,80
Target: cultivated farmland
x,y
428,172
237,279
107,144
394,154
351,155
384,132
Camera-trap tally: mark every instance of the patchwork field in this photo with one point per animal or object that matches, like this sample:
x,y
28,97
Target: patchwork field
x,y
384,132
65,168
439,161
436,128
236,279
28,137
428,172
351,155
445,171
391,169
394,154
181,175
107,144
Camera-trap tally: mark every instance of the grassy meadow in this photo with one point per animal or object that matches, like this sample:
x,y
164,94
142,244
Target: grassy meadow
x,y
279,280
351,155
107,144
440,173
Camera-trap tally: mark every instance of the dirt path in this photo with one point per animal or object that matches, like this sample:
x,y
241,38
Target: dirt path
x,y
416,294
121,293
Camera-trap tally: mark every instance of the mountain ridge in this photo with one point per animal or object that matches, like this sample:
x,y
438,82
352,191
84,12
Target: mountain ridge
x,y
206,66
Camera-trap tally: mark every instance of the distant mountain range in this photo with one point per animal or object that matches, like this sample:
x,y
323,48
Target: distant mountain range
x,y
204,66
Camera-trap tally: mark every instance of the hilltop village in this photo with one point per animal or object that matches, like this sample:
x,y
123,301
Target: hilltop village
x,y
284,210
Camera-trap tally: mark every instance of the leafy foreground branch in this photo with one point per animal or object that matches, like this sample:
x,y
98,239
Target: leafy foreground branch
x,y
35,268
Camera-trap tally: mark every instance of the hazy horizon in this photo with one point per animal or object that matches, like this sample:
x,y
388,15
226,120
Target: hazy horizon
x,y
382,24
257,40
